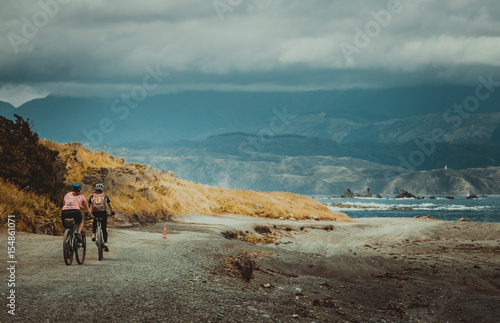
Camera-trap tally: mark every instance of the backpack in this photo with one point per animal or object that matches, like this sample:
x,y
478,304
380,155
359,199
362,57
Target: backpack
x,y
99,202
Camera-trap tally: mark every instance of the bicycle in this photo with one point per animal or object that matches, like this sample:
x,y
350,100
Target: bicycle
x,y
99,236
70,244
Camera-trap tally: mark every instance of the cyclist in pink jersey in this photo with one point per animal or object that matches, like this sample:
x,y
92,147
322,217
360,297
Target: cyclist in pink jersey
x,y
73,202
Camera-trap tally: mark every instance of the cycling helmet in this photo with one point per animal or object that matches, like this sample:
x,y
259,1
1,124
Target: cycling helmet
x,y
76,187
99,187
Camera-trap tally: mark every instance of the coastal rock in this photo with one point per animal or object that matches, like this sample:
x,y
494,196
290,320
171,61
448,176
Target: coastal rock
x,y
450,197
432,198
378,196
472,196
366,193
347,193
404,194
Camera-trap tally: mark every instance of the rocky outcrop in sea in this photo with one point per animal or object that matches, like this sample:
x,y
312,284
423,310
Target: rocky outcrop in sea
x,y
366,193
348,193
404,195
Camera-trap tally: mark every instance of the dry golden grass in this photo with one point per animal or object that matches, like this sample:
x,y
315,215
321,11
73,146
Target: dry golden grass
x,y
33,213
148,194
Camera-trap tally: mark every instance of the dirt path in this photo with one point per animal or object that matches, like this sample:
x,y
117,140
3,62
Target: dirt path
x,y
376,270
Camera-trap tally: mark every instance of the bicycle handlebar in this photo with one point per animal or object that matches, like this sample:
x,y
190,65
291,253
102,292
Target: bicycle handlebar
x,y
98,218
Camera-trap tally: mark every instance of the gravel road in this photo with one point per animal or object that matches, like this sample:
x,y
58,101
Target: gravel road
x,y
373,271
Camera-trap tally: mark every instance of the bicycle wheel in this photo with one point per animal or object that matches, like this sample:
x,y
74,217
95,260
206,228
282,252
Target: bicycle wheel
x,y
68,247
100,242
81,250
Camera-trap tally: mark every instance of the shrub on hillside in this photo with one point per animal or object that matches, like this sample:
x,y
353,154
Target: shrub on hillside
x,y
27,163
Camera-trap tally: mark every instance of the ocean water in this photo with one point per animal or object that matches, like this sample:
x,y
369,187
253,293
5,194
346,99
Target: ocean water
x,y
484,209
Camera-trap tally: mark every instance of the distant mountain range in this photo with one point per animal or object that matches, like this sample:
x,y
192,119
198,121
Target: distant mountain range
x,y
240,146
307,142
6,109
310,175
391,115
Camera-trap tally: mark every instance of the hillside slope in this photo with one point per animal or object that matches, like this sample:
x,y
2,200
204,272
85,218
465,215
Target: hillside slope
x,y
33,213
448,182
6,109
217,161
142,194
146,194
242,146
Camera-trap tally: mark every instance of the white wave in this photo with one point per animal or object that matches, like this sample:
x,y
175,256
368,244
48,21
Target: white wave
x,y
368,198
453,208
343,209
360,206
363,206
353,198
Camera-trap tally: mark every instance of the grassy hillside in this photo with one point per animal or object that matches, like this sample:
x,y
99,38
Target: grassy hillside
x,y
147,195
33,212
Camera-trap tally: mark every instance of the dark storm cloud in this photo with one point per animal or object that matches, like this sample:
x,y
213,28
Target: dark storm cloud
x,y
97,46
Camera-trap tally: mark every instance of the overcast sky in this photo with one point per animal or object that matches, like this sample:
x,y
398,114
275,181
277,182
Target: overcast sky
x,y
105,47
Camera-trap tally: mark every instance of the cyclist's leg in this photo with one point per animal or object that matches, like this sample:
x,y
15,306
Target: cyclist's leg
x,y
79,221
64,215
79,227
104,224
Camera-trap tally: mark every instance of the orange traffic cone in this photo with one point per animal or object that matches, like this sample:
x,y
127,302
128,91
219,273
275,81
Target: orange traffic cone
x,y
165,231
